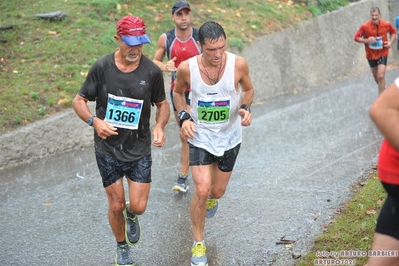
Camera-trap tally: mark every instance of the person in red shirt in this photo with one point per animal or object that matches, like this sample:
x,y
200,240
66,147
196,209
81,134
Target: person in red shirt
x,y
374,35
179,44
385,114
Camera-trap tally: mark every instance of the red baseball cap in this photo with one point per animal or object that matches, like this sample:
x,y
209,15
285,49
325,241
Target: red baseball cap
x,y
132,31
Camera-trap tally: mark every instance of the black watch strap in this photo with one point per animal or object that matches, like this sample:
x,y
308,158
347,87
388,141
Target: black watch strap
x,y
183,116
245,107
91,120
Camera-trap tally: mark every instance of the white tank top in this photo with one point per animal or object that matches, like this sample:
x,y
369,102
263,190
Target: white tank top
x,y
214,109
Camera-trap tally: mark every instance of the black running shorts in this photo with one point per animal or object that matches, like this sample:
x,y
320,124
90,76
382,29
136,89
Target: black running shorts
x,y
199,156
112,169
382,61
388,219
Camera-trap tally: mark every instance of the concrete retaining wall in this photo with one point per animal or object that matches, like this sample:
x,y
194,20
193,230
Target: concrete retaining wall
x,y
312,53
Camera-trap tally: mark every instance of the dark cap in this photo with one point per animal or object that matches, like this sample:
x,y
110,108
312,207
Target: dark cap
x,y
179,5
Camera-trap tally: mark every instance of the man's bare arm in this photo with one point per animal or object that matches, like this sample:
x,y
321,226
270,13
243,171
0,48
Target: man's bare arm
x,y
163,114
181,83
160,52
245,81
159,55
385,114
103,129
247,90
161,118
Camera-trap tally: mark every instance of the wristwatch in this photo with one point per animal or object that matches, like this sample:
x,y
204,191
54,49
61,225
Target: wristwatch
x,y
184,115
91,120
245,107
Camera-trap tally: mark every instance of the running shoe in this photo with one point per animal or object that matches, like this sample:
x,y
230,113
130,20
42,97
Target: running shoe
x,y
199,255
123,257
132,227
212,206
182,183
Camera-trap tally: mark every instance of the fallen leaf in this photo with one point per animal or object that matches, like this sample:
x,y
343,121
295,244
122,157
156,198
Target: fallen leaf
x,y
63,101
288,246
370,212
296,255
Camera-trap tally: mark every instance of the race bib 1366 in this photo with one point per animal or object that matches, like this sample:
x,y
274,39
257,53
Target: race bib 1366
x,y
123,112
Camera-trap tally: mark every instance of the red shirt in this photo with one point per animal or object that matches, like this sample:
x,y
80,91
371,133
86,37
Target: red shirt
x,y
388,164
182,50
370,29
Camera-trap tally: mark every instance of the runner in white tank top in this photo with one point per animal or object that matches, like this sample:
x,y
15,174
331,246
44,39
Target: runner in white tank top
x,y
213,126
214,109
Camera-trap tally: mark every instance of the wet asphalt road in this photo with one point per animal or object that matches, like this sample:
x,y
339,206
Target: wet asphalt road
x,y
296,164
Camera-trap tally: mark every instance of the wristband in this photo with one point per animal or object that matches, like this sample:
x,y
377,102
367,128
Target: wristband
x,y
245,107
184,115
91,120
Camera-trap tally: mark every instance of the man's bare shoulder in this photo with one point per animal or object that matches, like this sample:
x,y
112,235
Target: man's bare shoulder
x,y
241,63
240,60
183,71
162,38
184,65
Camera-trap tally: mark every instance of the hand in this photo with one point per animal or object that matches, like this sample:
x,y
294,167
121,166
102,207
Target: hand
x,y
103,129
387,44
170,65
246,117
371,39
188,129
159,137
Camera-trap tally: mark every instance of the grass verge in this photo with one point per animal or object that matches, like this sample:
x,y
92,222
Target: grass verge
x,y
353,226
43,63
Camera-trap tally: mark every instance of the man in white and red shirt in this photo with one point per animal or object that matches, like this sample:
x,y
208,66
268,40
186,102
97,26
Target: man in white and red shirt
x,y
178,44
